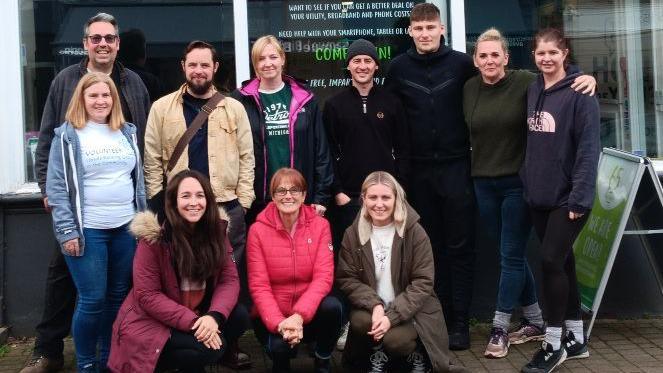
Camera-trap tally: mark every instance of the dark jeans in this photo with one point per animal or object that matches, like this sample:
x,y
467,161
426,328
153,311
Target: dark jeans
x,y
340,218
443,196
103,278
59,303
505,217
324,330
184,353
560,286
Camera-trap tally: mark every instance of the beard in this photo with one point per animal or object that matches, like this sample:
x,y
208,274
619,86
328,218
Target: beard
x,y
199,89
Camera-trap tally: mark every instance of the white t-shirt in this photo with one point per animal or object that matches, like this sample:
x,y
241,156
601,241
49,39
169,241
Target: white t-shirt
x,y
108,160
382,239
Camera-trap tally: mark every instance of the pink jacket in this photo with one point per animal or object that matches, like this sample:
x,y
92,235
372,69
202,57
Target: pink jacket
x,y
287,274
153,306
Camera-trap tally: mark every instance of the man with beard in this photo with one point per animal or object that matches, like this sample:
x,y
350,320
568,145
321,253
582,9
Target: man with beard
x,y
101,42
222,149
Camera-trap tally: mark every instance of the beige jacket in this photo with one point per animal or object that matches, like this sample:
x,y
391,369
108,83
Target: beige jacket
x,y
230,147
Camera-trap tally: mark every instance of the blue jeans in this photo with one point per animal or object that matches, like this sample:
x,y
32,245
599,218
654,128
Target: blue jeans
x,y
505,216
102,277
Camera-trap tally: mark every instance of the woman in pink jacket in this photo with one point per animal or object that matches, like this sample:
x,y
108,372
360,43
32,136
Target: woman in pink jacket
x,y
290,263
185,286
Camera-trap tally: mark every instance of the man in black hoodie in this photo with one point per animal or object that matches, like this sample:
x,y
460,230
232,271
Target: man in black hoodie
x,y
429,80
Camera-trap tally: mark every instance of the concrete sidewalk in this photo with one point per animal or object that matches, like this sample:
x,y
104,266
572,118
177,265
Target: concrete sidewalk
x,y
616,346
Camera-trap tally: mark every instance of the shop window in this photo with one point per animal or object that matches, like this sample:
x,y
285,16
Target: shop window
x,y
51,39
617,41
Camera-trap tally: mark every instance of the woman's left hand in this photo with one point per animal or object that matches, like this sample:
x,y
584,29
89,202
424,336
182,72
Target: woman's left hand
x,y
319,209
206,329
575,215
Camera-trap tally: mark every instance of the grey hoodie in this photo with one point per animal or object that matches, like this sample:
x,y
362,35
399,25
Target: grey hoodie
x,y
64,184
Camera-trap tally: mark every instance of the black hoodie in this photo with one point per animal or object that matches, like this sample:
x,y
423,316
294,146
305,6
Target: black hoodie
x,y
563,146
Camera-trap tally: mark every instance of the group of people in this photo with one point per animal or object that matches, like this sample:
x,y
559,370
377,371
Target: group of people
x,y
332,246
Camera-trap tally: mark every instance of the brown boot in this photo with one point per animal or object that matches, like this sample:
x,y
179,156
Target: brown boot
x,y
43,364
234,358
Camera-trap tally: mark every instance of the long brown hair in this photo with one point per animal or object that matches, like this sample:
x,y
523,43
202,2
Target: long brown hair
x,y
76,114
199,250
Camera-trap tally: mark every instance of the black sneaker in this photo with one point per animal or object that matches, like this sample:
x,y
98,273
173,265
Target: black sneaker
x,y
545,360
378,361
418,362
574,349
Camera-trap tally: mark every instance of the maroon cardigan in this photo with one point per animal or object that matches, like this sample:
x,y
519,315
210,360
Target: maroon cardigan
x,y
153,306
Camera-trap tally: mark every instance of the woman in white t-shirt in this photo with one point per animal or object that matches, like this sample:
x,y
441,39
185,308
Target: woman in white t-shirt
x,y
386,271
94,187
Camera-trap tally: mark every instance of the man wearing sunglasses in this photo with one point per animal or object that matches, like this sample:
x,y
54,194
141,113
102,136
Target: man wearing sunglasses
x,y
101,42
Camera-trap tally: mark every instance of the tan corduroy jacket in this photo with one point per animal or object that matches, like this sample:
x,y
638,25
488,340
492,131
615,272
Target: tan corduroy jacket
x,y
230,147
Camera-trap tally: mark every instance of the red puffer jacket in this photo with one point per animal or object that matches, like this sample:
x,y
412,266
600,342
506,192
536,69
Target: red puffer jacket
x,y
287,274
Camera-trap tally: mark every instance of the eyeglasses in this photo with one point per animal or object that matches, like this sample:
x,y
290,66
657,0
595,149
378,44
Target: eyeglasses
x,y
96,39
294,191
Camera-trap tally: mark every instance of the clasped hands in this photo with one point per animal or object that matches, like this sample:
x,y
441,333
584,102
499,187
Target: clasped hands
x,y
206,331
380,323
292,329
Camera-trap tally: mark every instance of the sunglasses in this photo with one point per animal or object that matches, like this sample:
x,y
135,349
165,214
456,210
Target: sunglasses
x,y
96,39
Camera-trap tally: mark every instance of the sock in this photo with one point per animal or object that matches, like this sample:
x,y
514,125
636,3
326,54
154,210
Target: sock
x,y
532,314
575,326
502,320
554,337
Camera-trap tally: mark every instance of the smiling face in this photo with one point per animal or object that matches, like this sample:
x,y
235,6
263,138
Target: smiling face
x,y
379,201
427,35
491,59
103,54
199,68
98,102
288,197
362,69
549,58
270,63
191,202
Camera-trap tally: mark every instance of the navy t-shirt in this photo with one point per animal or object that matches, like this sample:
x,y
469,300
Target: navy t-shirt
x,y
198,159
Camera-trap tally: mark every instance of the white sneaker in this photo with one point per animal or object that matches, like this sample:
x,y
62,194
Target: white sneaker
x,y
340,343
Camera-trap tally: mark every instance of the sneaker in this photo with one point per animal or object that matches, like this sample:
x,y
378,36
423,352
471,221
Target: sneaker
x,y
526,332
459,338
417,361
545,360
574,349
378,361
43,364
498,344
234,358
340,343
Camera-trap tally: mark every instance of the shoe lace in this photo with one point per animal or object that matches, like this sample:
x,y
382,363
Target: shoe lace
x,y
34,361
496,336
417,361
378,361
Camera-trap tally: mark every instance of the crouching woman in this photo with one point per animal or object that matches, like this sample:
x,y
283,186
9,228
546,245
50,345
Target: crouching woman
x,y
386,270
185,285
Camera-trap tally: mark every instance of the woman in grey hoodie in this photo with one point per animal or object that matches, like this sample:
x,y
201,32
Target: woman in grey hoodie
x,y
95,186
559,176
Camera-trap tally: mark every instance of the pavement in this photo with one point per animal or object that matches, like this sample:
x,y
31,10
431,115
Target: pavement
x,y
615,346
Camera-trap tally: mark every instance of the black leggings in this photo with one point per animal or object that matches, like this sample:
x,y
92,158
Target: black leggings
x,y
560,289
183,352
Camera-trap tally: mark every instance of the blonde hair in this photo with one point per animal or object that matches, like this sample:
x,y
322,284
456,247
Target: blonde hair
x,y
386,179
76,113
492,34
260,44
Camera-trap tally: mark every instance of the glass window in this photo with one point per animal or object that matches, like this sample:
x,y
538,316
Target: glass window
x,y
611,39
153,35
315,35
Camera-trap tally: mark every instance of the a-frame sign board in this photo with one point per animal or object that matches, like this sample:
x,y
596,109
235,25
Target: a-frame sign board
x,y
629,200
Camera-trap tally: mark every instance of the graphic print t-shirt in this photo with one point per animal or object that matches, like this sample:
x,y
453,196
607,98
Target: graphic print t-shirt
x,y
276,109
108,160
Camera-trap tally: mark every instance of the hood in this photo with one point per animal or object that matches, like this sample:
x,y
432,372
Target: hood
x,y
365,228
145,225
572,72
270,216
250,87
